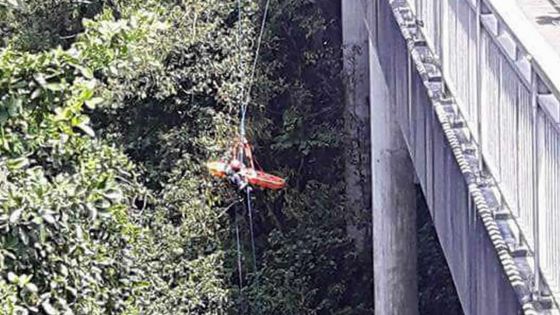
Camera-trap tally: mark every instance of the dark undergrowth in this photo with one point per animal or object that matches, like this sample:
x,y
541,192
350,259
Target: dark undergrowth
x,y
436,291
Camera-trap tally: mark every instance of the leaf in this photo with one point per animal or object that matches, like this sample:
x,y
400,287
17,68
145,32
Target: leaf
x,y
14,107
14,3
102,204
113,195
36,94
42,234
86,72
15,216
55,87
63,270
24,237
87,129
4,116
12,277
48,308
92,213
40,78
31,287
24,279
48,218
91,104
19,163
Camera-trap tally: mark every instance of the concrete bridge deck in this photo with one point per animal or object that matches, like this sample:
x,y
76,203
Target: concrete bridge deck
x,y
472,89
545,16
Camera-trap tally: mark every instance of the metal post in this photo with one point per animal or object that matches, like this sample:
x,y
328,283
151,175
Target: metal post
x,y
536,179
479,77
409,131
519,56
443,41
420,12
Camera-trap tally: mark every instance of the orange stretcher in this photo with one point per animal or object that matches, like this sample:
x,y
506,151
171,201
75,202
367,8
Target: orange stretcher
x,y
253,176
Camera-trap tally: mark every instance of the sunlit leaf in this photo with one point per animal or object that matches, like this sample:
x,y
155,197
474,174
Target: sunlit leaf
x,y
48,308
15,216
87,129
16,164
92,103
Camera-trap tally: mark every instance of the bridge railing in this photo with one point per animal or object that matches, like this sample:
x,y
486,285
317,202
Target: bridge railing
x,y
507,85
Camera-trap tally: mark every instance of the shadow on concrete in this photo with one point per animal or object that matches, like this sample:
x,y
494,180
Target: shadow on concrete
x,y
555,4
553,17
548,19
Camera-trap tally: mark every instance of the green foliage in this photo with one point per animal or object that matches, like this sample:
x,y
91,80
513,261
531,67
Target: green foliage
x,y
309,264
105,206
80,231
37,25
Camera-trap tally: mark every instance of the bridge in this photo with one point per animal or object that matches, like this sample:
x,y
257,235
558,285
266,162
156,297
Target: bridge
x,y
464,101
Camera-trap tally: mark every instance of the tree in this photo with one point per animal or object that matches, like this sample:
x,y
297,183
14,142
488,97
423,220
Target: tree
x,y
106,205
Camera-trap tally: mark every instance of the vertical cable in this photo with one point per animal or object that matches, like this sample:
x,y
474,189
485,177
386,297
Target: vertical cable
x,y
240,64
253,70
239,259
253,247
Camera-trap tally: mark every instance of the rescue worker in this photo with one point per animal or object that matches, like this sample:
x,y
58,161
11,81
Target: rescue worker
x,y
233,172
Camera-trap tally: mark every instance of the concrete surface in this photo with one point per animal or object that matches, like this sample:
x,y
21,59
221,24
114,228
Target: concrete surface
x,y
545,16
393,190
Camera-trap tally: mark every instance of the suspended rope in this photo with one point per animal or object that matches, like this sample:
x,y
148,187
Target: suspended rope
x,y
246,100
238,257
239,35
246,90
240,69
250,212
253,247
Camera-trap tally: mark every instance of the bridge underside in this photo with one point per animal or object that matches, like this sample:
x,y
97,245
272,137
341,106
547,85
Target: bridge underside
x,y
487,276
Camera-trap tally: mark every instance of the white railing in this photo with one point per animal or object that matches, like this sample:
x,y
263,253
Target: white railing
x,y
506,80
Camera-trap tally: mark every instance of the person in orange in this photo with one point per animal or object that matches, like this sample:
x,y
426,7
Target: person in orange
x,y
233,173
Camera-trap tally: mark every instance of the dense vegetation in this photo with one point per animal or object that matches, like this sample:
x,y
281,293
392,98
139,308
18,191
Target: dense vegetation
x,y
108,112
436,291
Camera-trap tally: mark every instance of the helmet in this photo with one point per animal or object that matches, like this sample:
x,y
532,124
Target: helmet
x,y
235,165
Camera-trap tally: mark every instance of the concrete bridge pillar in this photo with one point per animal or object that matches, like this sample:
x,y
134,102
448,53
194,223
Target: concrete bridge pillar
x,y
393,190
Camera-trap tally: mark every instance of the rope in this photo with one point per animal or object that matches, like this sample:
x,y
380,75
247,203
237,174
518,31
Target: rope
x,y
243,112
239,34
253,247
240,64
253,70
250,212
239,259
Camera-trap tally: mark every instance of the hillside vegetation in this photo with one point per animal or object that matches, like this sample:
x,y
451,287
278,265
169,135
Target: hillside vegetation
x,y
109,111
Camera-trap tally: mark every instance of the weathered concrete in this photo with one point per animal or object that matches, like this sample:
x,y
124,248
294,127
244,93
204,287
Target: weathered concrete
x,y
393,193
394,206
545,16
356,117
465,205
467,183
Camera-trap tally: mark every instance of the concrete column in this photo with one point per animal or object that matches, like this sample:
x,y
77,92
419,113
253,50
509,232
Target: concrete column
x,y
356,116
394,204
393,191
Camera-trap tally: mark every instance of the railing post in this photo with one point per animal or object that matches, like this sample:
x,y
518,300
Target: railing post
x,y
444,41
479,78
409,130
420,12
536,181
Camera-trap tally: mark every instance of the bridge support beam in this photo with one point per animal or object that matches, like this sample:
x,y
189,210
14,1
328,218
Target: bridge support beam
x,y
394,206
393,189
356,116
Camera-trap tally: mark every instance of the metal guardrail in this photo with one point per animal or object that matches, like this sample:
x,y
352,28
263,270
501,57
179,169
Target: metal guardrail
x,y
506,81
